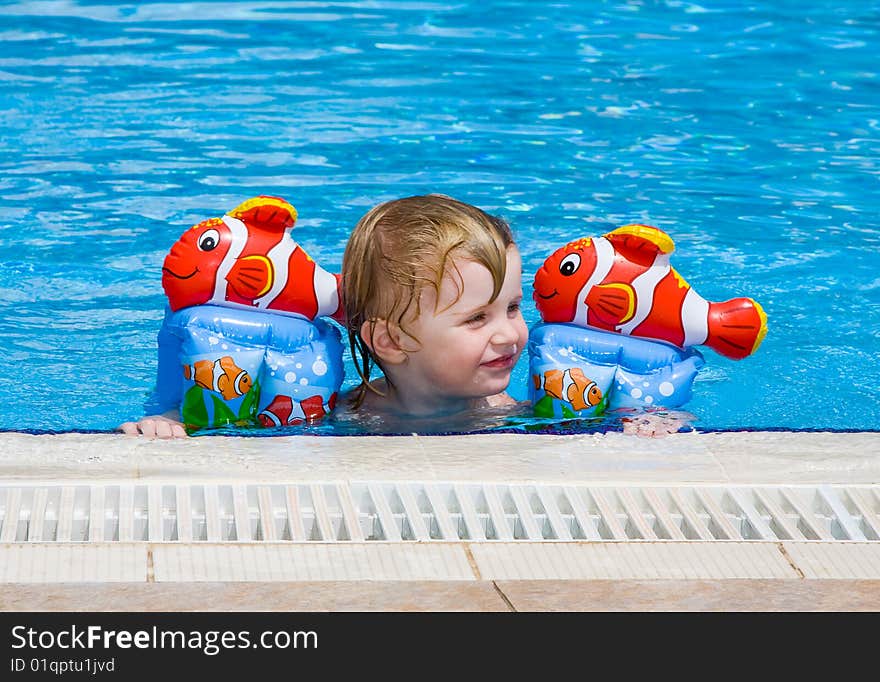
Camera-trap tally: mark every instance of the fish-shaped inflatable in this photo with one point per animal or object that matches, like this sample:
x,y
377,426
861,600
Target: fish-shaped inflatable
x,y
622,282
571,386
222,376
282,411
248,258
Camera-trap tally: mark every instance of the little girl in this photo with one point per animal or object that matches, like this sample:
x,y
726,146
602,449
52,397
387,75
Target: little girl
x,y
432,290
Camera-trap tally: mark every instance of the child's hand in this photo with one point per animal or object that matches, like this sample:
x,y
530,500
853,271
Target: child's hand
x,y
656,424
155,426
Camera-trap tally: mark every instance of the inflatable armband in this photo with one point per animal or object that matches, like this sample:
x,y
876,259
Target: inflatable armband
x,y
577,372
621,323
240,343
225,366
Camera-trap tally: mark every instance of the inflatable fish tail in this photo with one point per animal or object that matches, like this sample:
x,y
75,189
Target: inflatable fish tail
x,y
736,327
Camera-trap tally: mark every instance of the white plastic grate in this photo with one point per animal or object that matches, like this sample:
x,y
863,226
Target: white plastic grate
x,y
393,511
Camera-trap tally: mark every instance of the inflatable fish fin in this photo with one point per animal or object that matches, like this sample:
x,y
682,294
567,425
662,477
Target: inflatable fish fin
x,y
339,315
251,276
266,213
736,327
640,244
613,304
223,387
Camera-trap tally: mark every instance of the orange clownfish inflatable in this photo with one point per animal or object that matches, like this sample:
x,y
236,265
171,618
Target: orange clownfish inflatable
x,y
248,259
622,282
222,376
571,386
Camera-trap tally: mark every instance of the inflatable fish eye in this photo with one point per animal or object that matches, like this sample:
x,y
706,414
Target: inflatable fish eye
x,y
570,265
209,240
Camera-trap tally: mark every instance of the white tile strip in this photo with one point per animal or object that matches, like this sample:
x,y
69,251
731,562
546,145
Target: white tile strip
x,y
846,560
73,563
311,561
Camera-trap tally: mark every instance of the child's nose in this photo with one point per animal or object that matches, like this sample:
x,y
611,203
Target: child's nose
x,y
506,333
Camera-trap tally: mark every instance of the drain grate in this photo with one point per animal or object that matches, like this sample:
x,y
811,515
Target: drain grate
x,y
436,511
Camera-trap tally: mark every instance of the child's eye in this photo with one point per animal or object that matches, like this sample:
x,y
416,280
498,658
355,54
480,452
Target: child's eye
x,y
513,308
476,319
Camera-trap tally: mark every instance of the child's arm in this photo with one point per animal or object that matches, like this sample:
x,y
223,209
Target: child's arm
x,y
163,405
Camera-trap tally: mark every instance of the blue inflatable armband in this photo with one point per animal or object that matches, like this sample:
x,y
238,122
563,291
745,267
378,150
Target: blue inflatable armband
x,y
579,372
233,366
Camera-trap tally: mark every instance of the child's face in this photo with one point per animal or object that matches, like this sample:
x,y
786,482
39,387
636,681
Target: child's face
x,y
468,348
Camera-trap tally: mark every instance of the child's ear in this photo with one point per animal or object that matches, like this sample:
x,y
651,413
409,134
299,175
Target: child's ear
x,y
384,340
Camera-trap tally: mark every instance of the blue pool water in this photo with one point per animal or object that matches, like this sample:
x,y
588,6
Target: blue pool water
x,y
751,134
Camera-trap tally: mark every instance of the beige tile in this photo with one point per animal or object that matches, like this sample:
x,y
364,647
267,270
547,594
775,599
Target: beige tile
x,y
793,458
572,459
299,596
695,457
693,595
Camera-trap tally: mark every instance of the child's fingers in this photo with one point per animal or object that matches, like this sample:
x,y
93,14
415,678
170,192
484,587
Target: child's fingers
x,y
129,429
154,428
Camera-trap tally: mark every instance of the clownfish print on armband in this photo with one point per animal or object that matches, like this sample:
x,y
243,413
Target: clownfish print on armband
x,y
222,376
570,386
622,282
282,411
248,258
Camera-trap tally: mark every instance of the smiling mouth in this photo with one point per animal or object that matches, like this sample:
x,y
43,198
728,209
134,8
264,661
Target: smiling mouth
x,y
174,274
502,362
555,293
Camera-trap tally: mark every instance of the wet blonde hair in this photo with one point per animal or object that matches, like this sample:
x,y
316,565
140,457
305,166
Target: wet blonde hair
x,y
400,247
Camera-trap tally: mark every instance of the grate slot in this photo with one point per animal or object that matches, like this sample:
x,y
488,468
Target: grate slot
x,y
154,514
561,528
241,513
79,525
50,516
810,526
185,521
783,525
294,514
636,526
719,523
475,528
870,522
497,513
445,524
846,526
588,524
212,514
199,506
349,513
412,512
323,525
670,528
758,524
96,513
12,511
610,525
37,521
390,529
65,514
525,525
